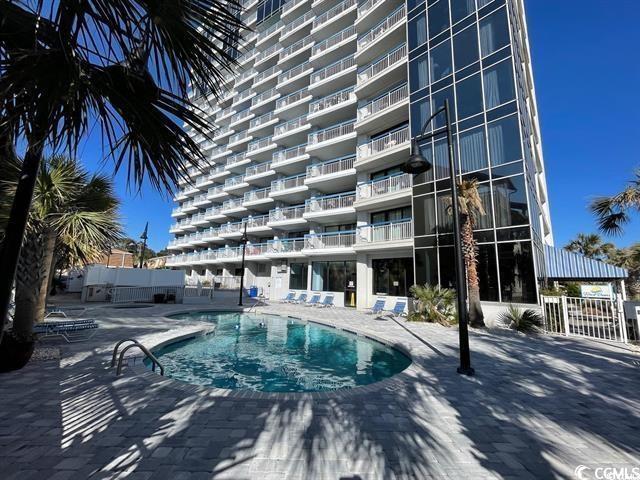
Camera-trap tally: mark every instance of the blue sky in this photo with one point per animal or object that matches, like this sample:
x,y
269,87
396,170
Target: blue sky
x,y
587,73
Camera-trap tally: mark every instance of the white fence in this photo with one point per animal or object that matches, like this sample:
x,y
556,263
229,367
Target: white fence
x,y
601,319
146,294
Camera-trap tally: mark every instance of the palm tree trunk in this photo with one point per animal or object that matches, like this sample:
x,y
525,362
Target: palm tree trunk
x,y
470,249
48,250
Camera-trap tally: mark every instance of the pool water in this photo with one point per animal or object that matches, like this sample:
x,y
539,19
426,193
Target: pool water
x,y
277,354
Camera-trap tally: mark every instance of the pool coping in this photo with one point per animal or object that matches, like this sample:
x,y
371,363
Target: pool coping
x,y
136,365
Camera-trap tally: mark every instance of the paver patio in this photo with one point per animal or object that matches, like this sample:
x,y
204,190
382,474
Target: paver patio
x,y
537,408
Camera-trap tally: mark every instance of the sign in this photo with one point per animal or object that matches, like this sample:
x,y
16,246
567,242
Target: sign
x,y
596,291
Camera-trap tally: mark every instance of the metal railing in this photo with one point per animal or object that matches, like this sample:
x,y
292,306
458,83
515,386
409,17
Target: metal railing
x,y
231,204
330,167
143,294
219,152
380,104
333,69
233,181
221,132
286,245
235,227
385,232
269,72
293,72
288,154
387,142
261,120
330,202
333,40
134,344
288,213
210,233
333,12
237,158
377,188
376,32
394,57
331,133
283,128
264,97
200,199
257,169
245,75
290,5
256,222
258,194
332,100
268,52
287,183
259,144
292,98
330,240
238,137
295,24
264,35
243,96
241,115
296,47
218,189
255,249
225,113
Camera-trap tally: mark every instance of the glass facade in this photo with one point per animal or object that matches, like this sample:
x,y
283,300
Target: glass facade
x,y
465,51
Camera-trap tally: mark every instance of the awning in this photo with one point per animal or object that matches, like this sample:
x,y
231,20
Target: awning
x,y
562,264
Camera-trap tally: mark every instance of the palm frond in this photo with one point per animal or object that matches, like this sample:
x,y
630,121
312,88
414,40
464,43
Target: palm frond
x,y
610,215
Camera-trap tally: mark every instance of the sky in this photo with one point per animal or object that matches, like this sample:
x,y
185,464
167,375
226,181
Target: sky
x,y
587,72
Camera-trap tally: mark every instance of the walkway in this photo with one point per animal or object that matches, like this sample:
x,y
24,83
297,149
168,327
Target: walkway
x,y
537,408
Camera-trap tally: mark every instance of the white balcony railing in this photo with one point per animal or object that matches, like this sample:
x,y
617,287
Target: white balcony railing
x,y
292,98
255,249
233,181
215,191
234,227
264,97
245,75
394,57
256,222
384,186
331,167
269,72
334,40
329,202
210,233
268,52
306,42
294,124
259,144
232,204
382,144
297,23
257,169
288,183
332,100
286,245
240,115
255,195
261,120
385,232
333,69
288,154
284,214
387,24
293,72
290,5
211,212
241,97
331,133
380,104
330,240
364,8
237,158
238,137
333,12
264,35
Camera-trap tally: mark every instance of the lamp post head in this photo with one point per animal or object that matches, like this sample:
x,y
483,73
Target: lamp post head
x,y
144,236
416,163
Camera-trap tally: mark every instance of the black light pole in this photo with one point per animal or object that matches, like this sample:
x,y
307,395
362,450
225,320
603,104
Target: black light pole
x,y
417,164
144,238
243,240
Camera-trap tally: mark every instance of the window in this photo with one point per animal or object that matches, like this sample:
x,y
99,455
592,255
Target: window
x,y
510,201
438,18
461,8
441,159
441,65
392,276
424,221
420,113
438,100
469,93
339,228
517,278
465,47
443,204
473,150
426,266
267,9
417,31
298,276
393,215
386,172
498,84
447,267
419,74
494,32
485,221
487,273
333,276
504,141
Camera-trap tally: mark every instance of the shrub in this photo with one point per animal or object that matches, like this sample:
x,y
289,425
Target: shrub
x,y
433,304
526,321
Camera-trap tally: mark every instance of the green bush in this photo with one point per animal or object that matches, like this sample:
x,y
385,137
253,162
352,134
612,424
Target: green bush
x,y
433,304
521,320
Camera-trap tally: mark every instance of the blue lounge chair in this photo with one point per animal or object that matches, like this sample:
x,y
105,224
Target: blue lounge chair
x,y
288,297
398,309
315,298
301,299
70,330
377,307
327,302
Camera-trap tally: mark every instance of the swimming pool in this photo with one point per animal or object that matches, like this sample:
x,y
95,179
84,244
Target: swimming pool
x,y
270,353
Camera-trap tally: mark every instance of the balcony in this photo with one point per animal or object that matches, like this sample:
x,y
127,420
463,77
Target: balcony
x,y
295,78
335,107
220,152
288,54
329,243
371,12
203,182
290,160
245,76
267,54
332,142
332,176
385,236
216,192
336,18
259,174
295,28
335,208
285,247
267,78
229,255
261,103
390,109
388,149
212,234
238,140
235,184
261,149
292,7
213,213
292,132
387,31
261,125
387,192
233,207
231,229
237,162
289,218
270,33
225,114
334,47
241,117
293,188
256,198
338,75
243,97
383,73
255,251
293,105
257,224
200,200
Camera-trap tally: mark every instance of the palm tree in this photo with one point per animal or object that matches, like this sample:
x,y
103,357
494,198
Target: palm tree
x,y
612,212
471,208
591,246
71,212
123,68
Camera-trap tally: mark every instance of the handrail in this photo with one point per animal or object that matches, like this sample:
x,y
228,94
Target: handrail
x,y
144,349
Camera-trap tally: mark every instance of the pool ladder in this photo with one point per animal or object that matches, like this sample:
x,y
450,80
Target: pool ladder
x,y
134,343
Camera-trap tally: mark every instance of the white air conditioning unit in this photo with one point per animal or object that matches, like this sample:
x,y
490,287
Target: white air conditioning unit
x,y
282,268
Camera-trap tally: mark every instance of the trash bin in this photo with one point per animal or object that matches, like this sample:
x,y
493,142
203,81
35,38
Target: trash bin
x,y
253,291
159,297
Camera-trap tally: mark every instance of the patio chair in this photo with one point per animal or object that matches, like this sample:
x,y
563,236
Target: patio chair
x,y
327,302
71,330
55,312
398,309
301,299
315,298
377,307
288,297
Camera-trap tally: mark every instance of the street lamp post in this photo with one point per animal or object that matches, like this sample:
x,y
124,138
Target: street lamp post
x,y
417,164
243,240
144,238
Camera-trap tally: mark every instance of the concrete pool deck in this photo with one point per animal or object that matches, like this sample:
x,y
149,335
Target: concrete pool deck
x,y
538,407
